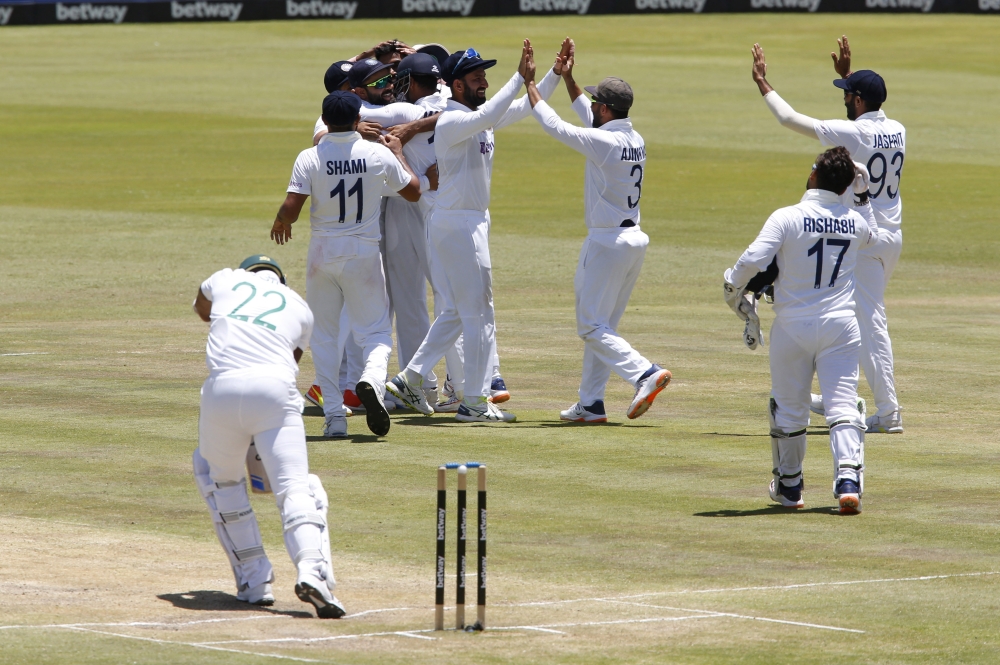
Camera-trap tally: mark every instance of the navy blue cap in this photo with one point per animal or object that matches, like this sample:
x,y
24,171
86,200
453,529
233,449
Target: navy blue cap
x,y
420,64
457,65
341,108
866,84
363,69
437,51
336,75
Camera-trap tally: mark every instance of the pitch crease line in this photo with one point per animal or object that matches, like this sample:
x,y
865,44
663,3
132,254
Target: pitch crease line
x,y
328,638
922,578
165,624
736,616
195,645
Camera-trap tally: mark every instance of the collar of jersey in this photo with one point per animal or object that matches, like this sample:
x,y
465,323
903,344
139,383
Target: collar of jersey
x,y
820,196
872,115
617,124
340,137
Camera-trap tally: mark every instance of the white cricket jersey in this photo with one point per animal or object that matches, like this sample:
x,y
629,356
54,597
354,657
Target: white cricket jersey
x,y
256,321
463,143
880,144
344,176
616,158
816,243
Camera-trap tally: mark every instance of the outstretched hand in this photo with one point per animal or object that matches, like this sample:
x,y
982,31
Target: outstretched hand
x,y
759,71
567,69
562,56
281,231
526,68
842,63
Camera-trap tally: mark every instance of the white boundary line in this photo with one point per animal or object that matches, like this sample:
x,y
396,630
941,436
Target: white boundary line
x,y
30,353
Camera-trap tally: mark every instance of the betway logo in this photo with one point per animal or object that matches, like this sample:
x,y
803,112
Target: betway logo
x,y
811,5
227,10
463,7
922,5
576,6
5,14
344,10
88,12
695,6
984,5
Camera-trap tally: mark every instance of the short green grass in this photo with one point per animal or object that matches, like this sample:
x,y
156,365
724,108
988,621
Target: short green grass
x,y
136,160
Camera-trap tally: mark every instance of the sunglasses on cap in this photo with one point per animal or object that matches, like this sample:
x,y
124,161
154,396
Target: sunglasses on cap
x,y
468,55
381,83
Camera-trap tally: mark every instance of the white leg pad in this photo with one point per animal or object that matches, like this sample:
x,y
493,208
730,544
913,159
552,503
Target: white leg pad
x,y
235,526
788,451
307,538
848,448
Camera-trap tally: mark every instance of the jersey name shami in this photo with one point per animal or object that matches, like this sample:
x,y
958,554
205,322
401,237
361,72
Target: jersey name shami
x,y
828,225
346,167
887,141
633,154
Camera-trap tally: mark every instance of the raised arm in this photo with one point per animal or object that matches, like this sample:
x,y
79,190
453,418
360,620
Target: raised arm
x,y
592,143
781,110
577,97
521,109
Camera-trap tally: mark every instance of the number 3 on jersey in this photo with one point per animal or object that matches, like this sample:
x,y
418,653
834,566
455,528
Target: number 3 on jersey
x,y
356,189
817,249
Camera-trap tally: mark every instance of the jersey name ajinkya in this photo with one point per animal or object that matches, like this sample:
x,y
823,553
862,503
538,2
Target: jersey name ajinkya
x,y
633,154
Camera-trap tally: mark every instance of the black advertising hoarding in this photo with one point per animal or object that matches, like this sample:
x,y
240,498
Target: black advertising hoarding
x,y
20,12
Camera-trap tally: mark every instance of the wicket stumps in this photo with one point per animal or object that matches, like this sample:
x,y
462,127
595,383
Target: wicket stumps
x,y
442,501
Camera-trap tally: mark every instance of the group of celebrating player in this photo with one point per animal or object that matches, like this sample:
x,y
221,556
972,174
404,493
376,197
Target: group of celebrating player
x,y
399,180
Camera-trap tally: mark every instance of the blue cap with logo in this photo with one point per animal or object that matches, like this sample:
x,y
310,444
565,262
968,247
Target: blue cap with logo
x,y
363,69
461,63
866,84
340,108
419,64
336,75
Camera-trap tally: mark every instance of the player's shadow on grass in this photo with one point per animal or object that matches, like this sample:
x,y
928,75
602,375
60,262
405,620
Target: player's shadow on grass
x,y
425,421
219,601
815,431
351,438
770,510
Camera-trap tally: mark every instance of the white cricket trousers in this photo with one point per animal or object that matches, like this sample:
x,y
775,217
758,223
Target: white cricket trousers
x,y
609,265
460,241
262,404
828,347
407,271
346,272
872,273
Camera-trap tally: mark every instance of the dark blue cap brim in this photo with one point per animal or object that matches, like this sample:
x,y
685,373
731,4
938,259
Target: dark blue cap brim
x,y
471,66
843,84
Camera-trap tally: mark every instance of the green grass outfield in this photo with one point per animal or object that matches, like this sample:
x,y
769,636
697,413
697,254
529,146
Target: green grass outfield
x,y
136,160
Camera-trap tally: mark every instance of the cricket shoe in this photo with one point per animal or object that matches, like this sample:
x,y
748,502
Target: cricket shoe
x,y
352,402
890,424
650,384
816,404
410,395
430,394
788,497
260,595
315,395
335,427
375,411
849,496
498,390
311,589
450,400
483,411
585,414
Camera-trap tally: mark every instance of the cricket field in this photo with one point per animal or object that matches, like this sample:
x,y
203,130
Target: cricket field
x,y
136,160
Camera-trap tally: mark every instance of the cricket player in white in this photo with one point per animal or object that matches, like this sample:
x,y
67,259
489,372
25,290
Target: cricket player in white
x,y
880,144
459,229
817,243
345,177
613,252
259,329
